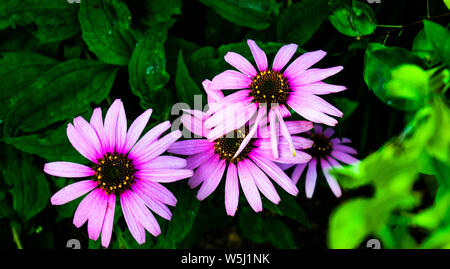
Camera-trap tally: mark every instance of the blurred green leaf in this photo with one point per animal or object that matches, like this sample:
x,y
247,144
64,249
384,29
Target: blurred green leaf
x,y
379,63
298,22
184,215
55,20
62,92
147,68
154,11
423,48
261,230
105,26
439,37
185,86
255,14
17,71
346,105
355,20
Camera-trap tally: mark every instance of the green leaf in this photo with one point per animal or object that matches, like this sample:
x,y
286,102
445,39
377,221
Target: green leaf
x,y
439,37
255,14
147,67
154,11
379,63
346,105
30,190
185,86
62,92
298,22
183,219
105,26
261,230
17,71
55,20
52,145
290,208
355,20
423,48
447,3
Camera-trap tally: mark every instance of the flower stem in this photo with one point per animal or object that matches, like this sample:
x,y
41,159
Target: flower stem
x,y
16,236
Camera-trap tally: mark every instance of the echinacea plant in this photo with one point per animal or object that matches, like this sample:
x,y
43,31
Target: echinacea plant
x,y
122,165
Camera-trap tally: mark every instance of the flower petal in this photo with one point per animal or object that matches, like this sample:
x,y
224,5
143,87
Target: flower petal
x,y
196,160
310,113
212,181
231,80
311,177
248,186
159,192
80,144
142,214
85,207
190,147
68,169
261,113
317,103
72,192
231,190
298,171
304,62
110,125
318,88
136,129
150,137
154,204
97,216
136,229
259,55
164,175
89,135
328,132
330,179
240,63
313,75
158,147
164,162
283,56
108,221
204,171
263,183
344,157
96,122
345,149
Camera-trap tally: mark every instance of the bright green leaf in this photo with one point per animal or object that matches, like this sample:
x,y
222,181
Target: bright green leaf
x,y
356,20
439,37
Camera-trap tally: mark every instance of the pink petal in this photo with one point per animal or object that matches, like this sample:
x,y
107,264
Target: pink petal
x,y
261,113
285,155
318,88
121,130
304,62
196,160
274,133
231,190
214,95
274,172
150,137
330,179
204,171
229,111
328,132
259,55
285,133
159,147
97,215
231,80
72,192
313,75
311,177
136,129
68,169
193,125
317,103
241,96
164,175
240,63
310,113
108,221
190,147
111,121
159,192
318,129
85,207
212,181
283,56
154,204
248,186
345,149
338,140
96,122
136,229
89,135
263,183
142,214
165,162
344,157
298,171
80,144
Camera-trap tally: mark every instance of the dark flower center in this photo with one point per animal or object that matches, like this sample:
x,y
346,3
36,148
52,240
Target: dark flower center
x,y
269,87
227,146
322,146
114,173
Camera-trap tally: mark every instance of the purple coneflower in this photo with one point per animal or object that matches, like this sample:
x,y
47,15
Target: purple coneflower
x,y
250,169
121,165
327,151
296,87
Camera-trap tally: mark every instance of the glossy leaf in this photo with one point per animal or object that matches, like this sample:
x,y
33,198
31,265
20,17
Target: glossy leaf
x,y
355,20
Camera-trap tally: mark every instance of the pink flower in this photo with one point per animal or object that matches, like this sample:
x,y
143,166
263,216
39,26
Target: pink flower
x,y
251,169
327,151
296,87
121,165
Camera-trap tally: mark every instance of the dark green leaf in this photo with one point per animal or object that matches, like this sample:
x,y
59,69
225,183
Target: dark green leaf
x,y
254,14
298,22
439,37
62,92
105,25
55,20
356,20
154,11
346,105
186,87
17,71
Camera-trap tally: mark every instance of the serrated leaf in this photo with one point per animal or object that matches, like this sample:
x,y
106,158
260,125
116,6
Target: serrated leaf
x,y
355,20
105,26
298,22
55,20
62,92
255,14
